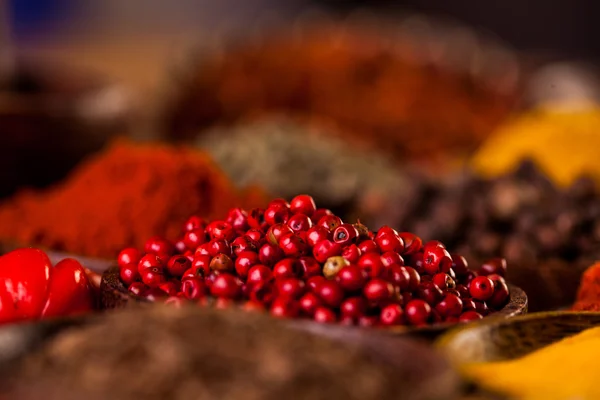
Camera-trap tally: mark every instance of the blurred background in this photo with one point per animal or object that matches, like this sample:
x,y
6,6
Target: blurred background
x,y
419,114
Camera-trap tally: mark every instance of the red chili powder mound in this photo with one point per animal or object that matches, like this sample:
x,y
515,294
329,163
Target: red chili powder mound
x,y
121,197
588,296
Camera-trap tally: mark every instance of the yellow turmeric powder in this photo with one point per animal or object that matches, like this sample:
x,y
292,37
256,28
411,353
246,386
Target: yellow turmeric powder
x,y
566,370
564,144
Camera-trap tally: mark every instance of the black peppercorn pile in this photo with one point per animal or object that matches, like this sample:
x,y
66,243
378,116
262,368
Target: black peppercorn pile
x,y
193,353
288,157
548,235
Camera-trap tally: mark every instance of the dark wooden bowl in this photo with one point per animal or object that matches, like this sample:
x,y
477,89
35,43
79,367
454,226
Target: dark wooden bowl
x,y
504,339
113,294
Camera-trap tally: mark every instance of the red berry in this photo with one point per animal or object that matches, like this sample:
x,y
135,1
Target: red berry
x,y
200,265
389,242
293,245
243,243
345,234
129,274
225,285
468,304
254,234
279,202
398,276
368,246
309,303
256,219
244,261
137,288
412,243
391,258
217,247
353,307
314,282
481,307
430,292
330,293
352,278
238,219
303,204
450,306
193,288
378,290
459,265
310,267
392,315
291,287
153,277
194,222
470,316
299,223
180,247
330,222
171,288
317,234
263,293
443,281
222,263
158,245
277,214
269,254
501,295
275,233
149,261
371,263
320,213
288,268
220,230
325,249
284,308
417,312
128,256
415,279
494,266
386,230
351,253
178,264
259,274
481,288
324,315
435,257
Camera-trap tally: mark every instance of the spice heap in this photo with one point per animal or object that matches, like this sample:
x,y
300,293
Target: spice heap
x,y
286,157
563,143
371,87
299,261
547,234
194,353
563,370
121,197
588,295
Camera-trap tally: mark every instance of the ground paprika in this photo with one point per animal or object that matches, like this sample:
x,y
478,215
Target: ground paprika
x,y
119,198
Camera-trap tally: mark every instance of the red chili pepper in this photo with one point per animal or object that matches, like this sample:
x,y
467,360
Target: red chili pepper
x,y
30,288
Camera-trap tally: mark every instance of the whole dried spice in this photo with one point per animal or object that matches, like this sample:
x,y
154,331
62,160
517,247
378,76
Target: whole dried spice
x,y
120,197
370,86
195,353
547,234
288,157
